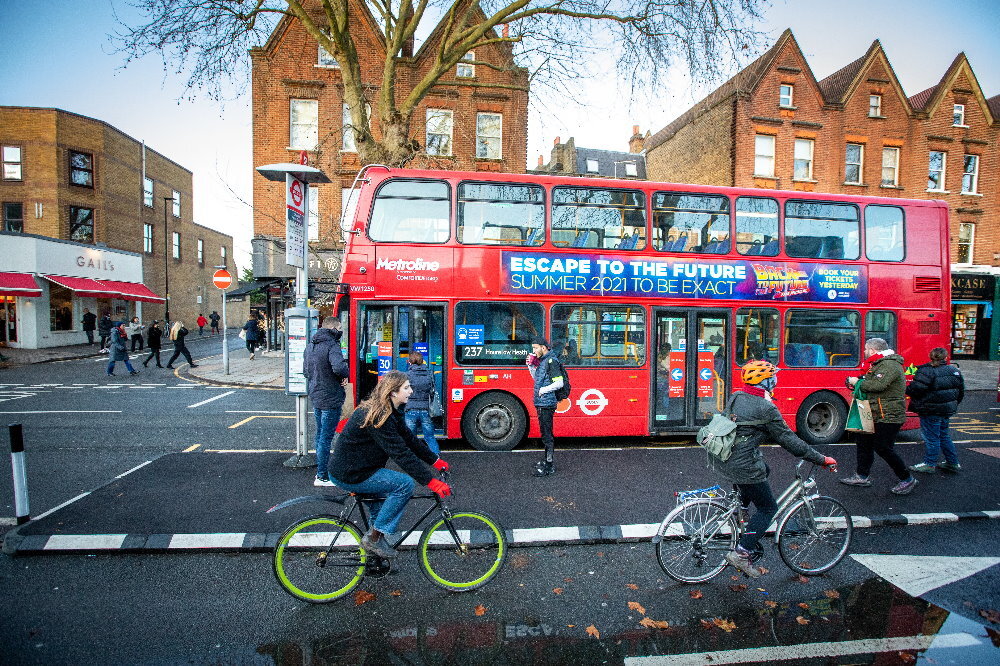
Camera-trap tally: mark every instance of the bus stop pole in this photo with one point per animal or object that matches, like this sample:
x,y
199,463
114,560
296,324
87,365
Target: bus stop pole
x,y
302,401
225,339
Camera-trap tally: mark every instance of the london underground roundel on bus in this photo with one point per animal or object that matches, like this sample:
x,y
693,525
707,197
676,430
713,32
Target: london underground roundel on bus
x,y
222,278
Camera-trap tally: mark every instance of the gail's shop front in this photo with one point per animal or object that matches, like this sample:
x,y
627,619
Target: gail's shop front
x,y
45,285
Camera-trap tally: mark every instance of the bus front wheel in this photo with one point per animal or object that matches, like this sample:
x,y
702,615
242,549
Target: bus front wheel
x,y
821,418
494,421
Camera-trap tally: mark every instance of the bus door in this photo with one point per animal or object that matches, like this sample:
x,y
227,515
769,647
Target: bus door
x,y
390,332
691,377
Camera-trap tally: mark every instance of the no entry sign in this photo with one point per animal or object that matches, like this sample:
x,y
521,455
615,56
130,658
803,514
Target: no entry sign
x,y
222,279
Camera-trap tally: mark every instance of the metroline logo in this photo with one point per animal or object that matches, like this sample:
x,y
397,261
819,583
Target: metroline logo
x,y
417,264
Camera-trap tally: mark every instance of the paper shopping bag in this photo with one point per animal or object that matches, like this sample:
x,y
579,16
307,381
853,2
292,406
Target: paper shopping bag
x,y
859,417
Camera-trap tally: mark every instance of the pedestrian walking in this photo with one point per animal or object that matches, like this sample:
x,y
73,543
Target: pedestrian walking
x,y
119,351
745,467
153,339
134,330
104,329
418,407
202,323
375,432
177,334
547,373
89,325
251,332
214,318
326,374
884,384
935,393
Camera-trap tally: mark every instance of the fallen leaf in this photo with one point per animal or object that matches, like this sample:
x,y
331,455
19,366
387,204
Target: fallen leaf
x,y
557,590
632,586
518,561
990,616
707,624
571,625
801,620
907,657
726,625
600,553
738,588
634,605
696,594
567,580
396,593
362,597
734,578
654,624
804,605
832,594
763,570
592,631
480,610
771,604
760,589
802,579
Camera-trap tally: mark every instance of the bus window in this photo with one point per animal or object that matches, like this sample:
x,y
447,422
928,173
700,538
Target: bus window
x,y
756,335
598,218
501,214
496,333
696,223
884,233
819,230
881,324
822,338
600,335
411,211
757,226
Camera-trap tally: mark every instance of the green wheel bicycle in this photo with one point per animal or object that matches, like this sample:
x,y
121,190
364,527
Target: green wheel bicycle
x,y
462,551
320,559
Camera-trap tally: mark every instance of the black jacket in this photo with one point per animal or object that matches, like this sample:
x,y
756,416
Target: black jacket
x,y
422,382
936,391
105,326
89,321
323,365
179,341
153,336
360,452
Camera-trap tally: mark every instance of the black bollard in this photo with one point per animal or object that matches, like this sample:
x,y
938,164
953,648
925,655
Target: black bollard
x,y
21,510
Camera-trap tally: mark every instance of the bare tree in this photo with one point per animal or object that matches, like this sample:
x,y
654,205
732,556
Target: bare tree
x,y
556,41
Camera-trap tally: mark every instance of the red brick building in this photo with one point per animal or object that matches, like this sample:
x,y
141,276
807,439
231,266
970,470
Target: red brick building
x,y
476,119
774,125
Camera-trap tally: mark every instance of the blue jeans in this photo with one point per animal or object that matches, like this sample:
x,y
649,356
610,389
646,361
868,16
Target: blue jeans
x,y
937,438
422,418
111,366
326,428
396,487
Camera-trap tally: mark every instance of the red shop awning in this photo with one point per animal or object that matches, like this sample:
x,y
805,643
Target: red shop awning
x,y
19,284
133,291
83,286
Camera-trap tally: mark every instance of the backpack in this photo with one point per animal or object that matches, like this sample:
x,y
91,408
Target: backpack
x,y
719,436
563,393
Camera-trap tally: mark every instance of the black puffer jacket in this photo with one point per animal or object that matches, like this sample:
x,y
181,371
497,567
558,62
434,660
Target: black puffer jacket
x,y
324,367
422,382
936,390
360,452
746,464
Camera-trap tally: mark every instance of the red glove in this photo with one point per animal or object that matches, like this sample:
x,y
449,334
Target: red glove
x,y
441,466
439,487
830,463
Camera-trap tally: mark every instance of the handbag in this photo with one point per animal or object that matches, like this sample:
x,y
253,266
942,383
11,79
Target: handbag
x,y
859,416
243,334
435,407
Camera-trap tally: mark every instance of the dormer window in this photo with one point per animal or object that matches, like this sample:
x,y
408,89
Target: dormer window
x,y
592,166
785,95
958,116
466,69
875,106
631,169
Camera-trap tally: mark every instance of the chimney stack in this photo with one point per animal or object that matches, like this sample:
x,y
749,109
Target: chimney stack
x,y
635,143
556,142
541,161
506,30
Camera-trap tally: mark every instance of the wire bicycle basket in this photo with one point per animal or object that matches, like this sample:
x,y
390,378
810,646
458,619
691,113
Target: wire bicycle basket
x,y
715,492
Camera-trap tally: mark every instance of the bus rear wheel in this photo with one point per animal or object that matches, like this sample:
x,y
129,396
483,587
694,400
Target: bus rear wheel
x,y
821,418
494,421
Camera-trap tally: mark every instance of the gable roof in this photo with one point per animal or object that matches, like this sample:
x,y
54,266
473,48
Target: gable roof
x,y
919,100
835,85
286,21
994,104
840,86
936,94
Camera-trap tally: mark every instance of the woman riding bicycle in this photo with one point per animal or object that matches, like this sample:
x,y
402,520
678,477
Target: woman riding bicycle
x,y
746,468
375,432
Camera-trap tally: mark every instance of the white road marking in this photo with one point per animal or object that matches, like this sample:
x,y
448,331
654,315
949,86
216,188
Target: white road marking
x,y
929,518
66,503
91,541
547,534
8,521
70,411
253,411
646,531
140,466
212,399
918,574
221,540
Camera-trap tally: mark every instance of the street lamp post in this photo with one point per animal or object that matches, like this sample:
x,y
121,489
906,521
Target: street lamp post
x,y
166,261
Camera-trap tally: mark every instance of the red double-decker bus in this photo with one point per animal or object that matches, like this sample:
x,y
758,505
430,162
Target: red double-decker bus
x,y
654,295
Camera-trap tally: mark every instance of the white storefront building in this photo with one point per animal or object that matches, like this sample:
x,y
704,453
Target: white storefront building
x,y
46,283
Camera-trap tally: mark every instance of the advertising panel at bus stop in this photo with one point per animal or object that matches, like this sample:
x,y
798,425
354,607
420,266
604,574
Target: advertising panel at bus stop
x,y
529,273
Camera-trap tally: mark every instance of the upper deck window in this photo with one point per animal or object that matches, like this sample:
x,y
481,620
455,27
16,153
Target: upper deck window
x,y
757,226
696,223
411,211
820,230
501,214
598,218
884,237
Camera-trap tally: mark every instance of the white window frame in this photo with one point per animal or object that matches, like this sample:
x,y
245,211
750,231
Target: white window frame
x,y
593,166
941,172
971,243
177,203
201,251
886,151
958,115
860,164
631,169
790,97
222,253
758,155
465,69
875,106
348,144
440,114
972,176
802,142
147,238
313,217
175,245
13,165
322,54
147,191
480,137
303,135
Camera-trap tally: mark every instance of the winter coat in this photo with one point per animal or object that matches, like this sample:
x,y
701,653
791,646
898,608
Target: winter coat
x,y
105,326
422,381
324,366
215,319
89,321
179,341
252,327
885,387
548,371
936,390
746,464
133,329
202,322
153,337
118,350
360,452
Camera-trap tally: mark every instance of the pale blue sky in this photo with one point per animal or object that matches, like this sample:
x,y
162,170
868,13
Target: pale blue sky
x,y
56,53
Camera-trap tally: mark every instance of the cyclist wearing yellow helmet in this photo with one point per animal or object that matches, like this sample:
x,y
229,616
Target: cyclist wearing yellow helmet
x,y
745,467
